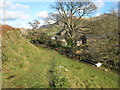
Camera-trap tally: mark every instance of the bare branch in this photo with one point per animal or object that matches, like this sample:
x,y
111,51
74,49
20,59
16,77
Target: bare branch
x,y
35,24
71,12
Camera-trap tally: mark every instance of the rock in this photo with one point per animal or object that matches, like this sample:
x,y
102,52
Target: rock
x,y
61,66
98,64
106,70
66,70
53,38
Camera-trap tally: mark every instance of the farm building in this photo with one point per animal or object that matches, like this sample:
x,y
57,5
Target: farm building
x,y
79,37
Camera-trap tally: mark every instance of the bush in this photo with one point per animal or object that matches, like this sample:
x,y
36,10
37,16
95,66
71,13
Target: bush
x,y
39,38
43,38
53,44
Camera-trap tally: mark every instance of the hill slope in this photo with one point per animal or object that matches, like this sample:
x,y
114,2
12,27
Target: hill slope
x,y
26,66
106,44
103,41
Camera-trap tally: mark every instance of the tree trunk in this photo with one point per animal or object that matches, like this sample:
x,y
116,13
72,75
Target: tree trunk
x,y
73,46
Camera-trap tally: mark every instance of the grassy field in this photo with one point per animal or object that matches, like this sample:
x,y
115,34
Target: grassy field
x,y
27,66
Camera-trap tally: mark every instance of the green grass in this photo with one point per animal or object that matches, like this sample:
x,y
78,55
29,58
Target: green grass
x,y
30,67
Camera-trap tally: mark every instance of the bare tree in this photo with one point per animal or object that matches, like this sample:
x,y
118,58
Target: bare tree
x,y
70,13
114,10
53,18
35,24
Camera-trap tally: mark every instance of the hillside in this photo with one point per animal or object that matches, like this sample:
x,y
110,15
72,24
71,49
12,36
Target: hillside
x,y
103,42
5,28
26,66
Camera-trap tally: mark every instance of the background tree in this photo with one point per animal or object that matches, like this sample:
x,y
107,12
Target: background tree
x,y
70,13
114,10
35,24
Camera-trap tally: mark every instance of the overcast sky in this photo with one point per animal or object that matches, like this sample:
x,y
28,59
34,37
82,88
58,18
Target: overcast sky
x,y
19,13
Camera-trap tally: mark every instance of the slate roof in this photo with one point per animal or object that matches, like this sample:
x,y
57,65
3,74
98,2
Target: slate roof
x,y
62,31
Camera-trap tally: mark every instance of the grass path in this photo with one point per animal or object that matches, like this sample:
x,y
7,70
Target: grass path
x,y
51,69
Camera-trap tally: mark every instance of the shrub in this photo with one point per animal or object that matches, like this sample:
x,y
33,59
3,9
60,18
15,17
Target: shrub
x,y
69,42
53,44
43,38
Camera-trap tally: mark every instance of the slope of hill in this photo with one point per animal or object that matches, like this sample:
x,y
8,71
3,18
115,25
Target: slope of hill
x,y
5,28
26,66
103,41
